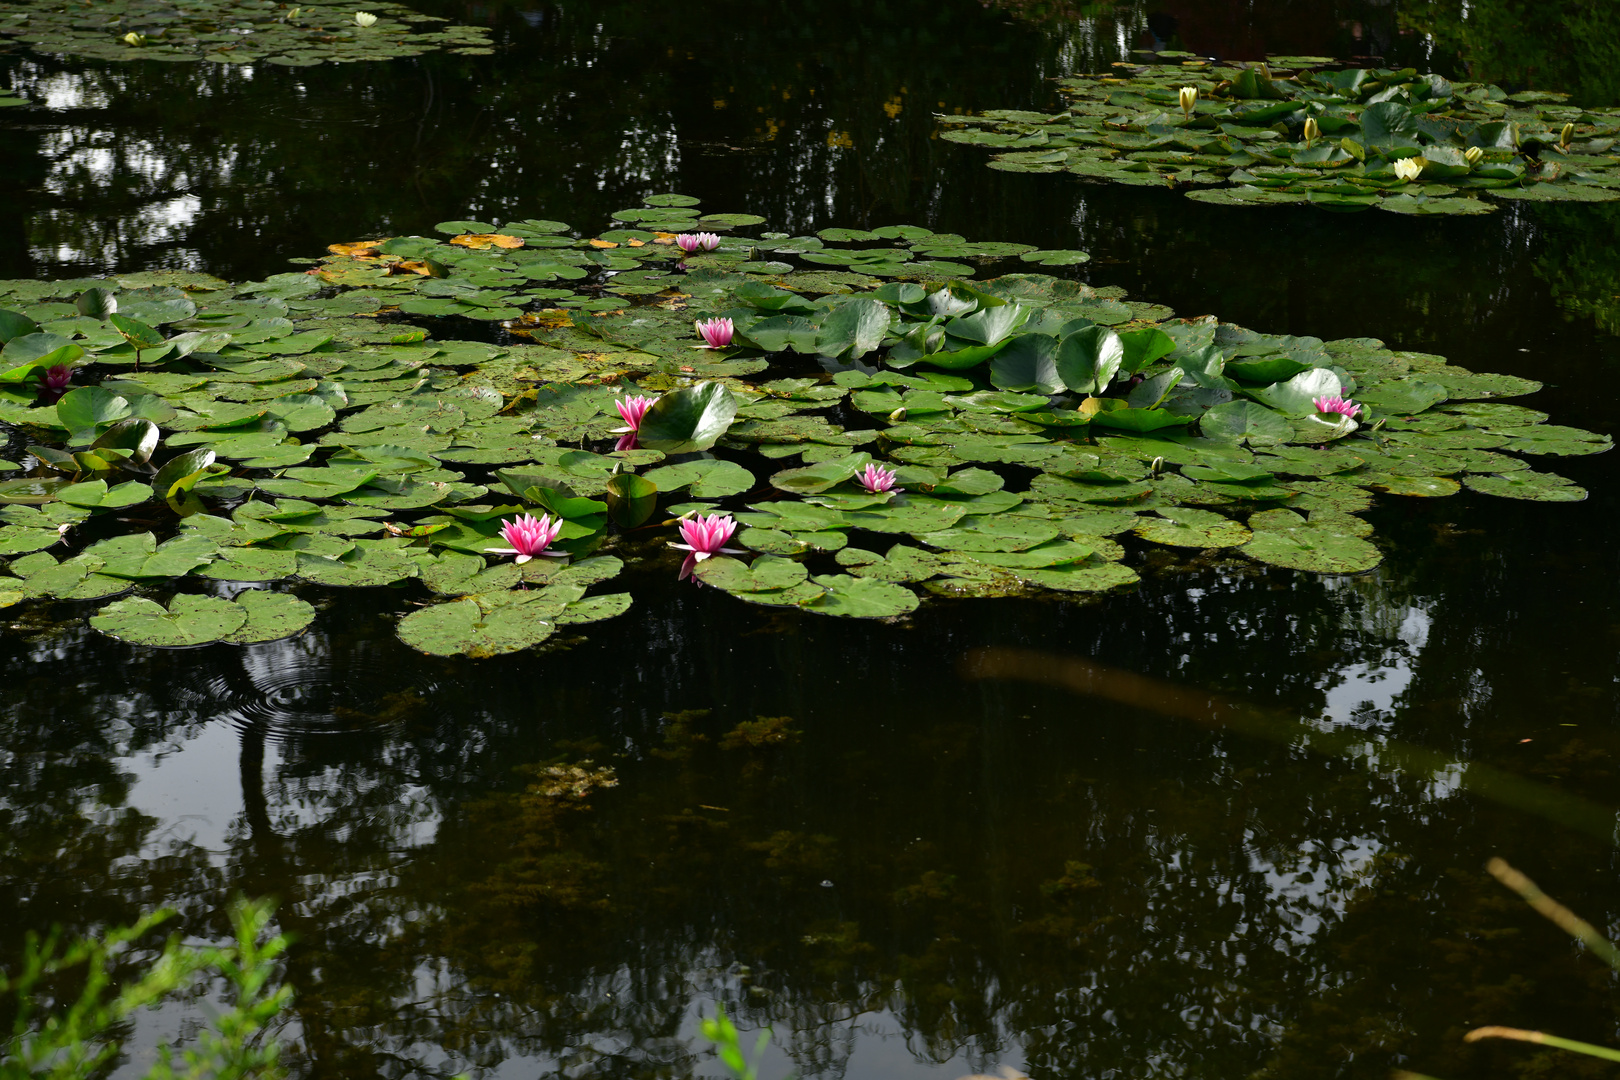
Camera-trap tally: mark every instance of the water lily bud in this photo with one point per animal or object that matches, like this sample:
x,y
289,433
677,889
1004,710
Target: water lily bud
x,y
1189,97
1312,131
364,18
1567,134
898,414
1408,169
132,38
1473,155
1158,465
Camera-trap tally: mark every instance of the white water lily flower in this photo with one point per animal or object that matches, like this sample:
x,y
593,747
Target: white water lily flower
x,y
1188,96
364,18
1409,168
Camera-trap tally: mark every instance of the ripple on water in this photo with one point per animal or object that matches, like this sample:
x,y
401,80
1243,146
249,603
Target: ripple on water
x,y
288,690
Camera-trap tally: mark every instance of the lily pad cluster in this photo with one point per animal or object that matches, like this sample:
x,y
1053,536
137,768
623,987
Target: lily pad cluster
x,y
173,434
234,31
1298,130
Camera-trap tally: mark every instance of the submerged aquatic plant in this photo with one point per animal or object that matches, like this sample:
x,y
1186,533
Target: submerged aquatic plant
x,y
1573,925
702,241
530,536
877,480
716,333
1342,406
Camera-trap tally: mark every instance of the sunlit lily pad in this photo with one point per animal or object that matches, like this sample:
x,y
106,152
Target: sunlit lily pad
x,y
1186,527
860,598
1283,538
188,620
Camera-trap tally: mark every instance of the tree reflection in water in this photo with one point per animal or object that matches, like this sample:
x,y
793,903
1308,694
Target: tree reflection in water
x,y
996,871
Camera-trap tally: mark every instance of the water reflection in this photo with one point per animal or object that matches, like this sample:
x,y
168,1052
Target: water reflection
x,y
994,871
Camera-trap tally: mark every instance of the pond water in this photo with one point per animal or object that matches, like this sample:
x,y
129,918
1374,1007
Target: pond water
x,y
870,837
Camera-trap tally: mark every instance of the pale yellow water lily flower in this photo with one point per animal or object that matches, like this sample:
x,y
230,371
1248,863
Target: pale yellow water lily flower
x,y
364,18
1409,168
1189,97
1473,155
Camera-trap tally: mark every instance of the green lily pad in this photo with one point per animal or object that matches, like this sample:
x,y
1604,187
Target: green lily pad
x,y
482,625
139,555
688,420
1186,527
96,494
767,580
188,621
1527,484
1283,538
704,479
860,598
271,616
1553,439
1245,422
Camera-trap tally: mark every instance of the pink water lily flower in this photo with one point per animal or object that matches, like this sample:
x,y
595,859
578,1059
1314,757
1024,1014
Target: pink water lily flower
x,y
530,536
1342,406
877,480
55,382
702,241
632,409
716,333
705,537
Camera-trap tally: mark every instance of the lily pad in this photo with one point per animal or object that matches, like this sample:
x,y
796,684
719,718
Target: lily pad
x,y
1527,484
1283,538
188,621
860,598
1186,527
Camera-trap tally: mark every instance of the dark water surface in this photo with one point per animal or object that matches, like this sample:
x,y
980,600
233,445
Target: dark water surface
x,y
918,872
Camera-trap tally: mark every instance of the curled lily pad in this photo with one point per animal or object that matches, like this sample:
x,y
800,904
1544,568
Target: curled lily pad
x,y
689,419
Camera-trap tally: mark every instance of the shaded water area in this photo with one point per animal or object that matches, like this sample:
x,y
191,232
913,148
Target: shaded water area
x,y
844,830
